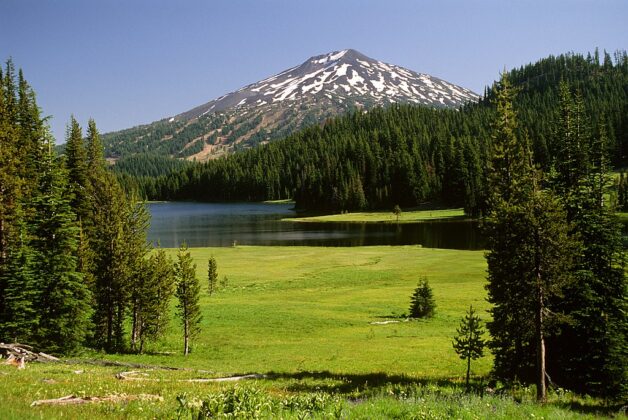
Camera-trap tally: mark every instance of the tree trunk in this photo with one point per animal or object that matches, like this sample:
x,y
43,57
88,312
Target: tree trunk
x,y
109,323
186,337
541,392
468,371
134,329
3,254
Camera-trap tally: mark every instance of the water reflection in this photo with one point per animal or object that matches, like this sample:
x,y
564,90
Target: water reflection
x,y
222,224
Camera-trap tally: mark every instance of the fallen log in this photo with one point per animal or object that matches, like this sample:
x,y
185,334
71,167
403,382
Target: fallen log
x,y
135,375
24,353
73,399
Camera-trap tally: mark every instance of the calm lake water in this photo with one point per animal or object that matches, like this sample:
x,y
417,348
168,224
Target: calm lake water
x,y
220,224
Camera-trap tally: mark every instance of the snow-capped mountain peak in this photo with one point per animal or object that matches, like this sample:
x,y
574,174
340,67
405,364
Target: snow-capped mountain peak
x,y
343,76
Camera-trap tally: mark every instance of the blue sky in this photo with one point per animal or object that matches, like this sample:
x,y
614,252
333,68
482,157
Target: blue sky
x,y
127,62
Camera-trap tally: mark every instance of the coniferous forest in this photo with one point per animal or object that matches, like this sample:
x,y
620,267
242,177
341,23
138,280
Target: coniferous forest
x,y
532,158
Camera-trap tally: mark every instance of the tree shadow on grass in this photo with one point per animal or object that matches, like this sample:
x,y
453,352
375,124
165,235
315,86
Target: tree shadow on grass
x,y
359,386
610,410
344,383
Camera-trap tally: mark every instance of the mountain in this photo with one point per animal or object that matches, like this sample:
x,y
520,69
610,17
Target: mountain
x,y
323,86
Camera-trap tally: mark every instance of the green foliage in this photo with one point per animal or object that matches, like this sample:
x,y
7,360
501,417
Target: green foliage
x,y
113,247
469,344
212,275
589,349
43,297
76,162
64,299
422,304
151,296
12,191
20,295
188,294
253,403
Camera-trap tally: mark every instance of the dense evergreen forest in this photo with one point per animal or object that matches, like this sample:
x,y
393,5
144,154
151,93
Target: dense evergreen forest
x,y
404,154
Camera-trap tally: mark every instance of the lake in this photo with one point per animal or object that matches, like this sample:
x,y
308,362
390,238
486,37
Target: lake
x,y
222,224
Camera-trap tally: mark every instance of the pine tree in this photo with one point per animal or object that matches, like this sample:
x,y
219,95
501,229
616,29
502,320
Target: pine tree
x,y
469,344
64,302
21,293
76,162
188,293
95,155
422,304
529,254
115,226
151,300
212,275
11,185
109,268
22,163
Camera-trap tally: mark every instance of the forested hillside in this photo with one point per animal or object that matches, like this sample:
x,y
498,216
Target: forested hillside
x,y
407,155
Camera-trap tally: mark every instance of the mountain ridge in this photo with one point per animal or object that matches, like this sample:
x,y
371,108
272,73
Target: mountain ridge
x,y
290,84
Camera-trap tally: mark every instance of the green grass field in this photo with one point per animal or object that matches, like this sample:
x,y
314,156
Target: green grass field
x,y
412,216
326,327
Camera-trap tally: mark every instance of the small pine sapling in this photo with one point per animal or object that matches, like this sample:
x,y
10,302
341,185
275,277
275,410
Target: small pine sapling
x,y
422,304
212,275
469,344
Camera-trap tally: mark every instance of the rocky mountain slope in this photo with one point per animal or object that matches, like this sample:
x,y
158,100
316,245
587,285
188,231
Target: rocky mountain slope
x,y
322,87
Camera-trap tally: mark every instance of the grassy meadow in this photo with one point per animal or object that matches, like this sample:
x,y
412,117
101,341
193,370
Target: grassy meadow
x,y
411,216
325,327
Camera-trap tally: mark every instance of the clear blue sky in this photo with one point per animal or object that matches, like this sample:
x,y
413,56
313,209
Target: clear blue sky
x,y
127,62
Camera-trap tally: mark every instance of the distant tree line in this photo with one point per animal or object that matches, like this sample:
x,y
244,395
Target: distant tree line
x,y
406,154
75,265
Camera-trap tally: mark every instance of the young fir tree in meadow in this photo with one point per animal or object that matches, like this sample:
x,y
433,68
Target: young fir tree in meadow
x,y
422,304
469,344
529,253
188,294
212,275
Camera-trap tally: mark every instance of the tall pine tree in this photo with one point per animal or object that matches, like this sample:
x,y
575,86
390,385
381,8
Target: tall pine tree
x,y
64,301
529,254
188,293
